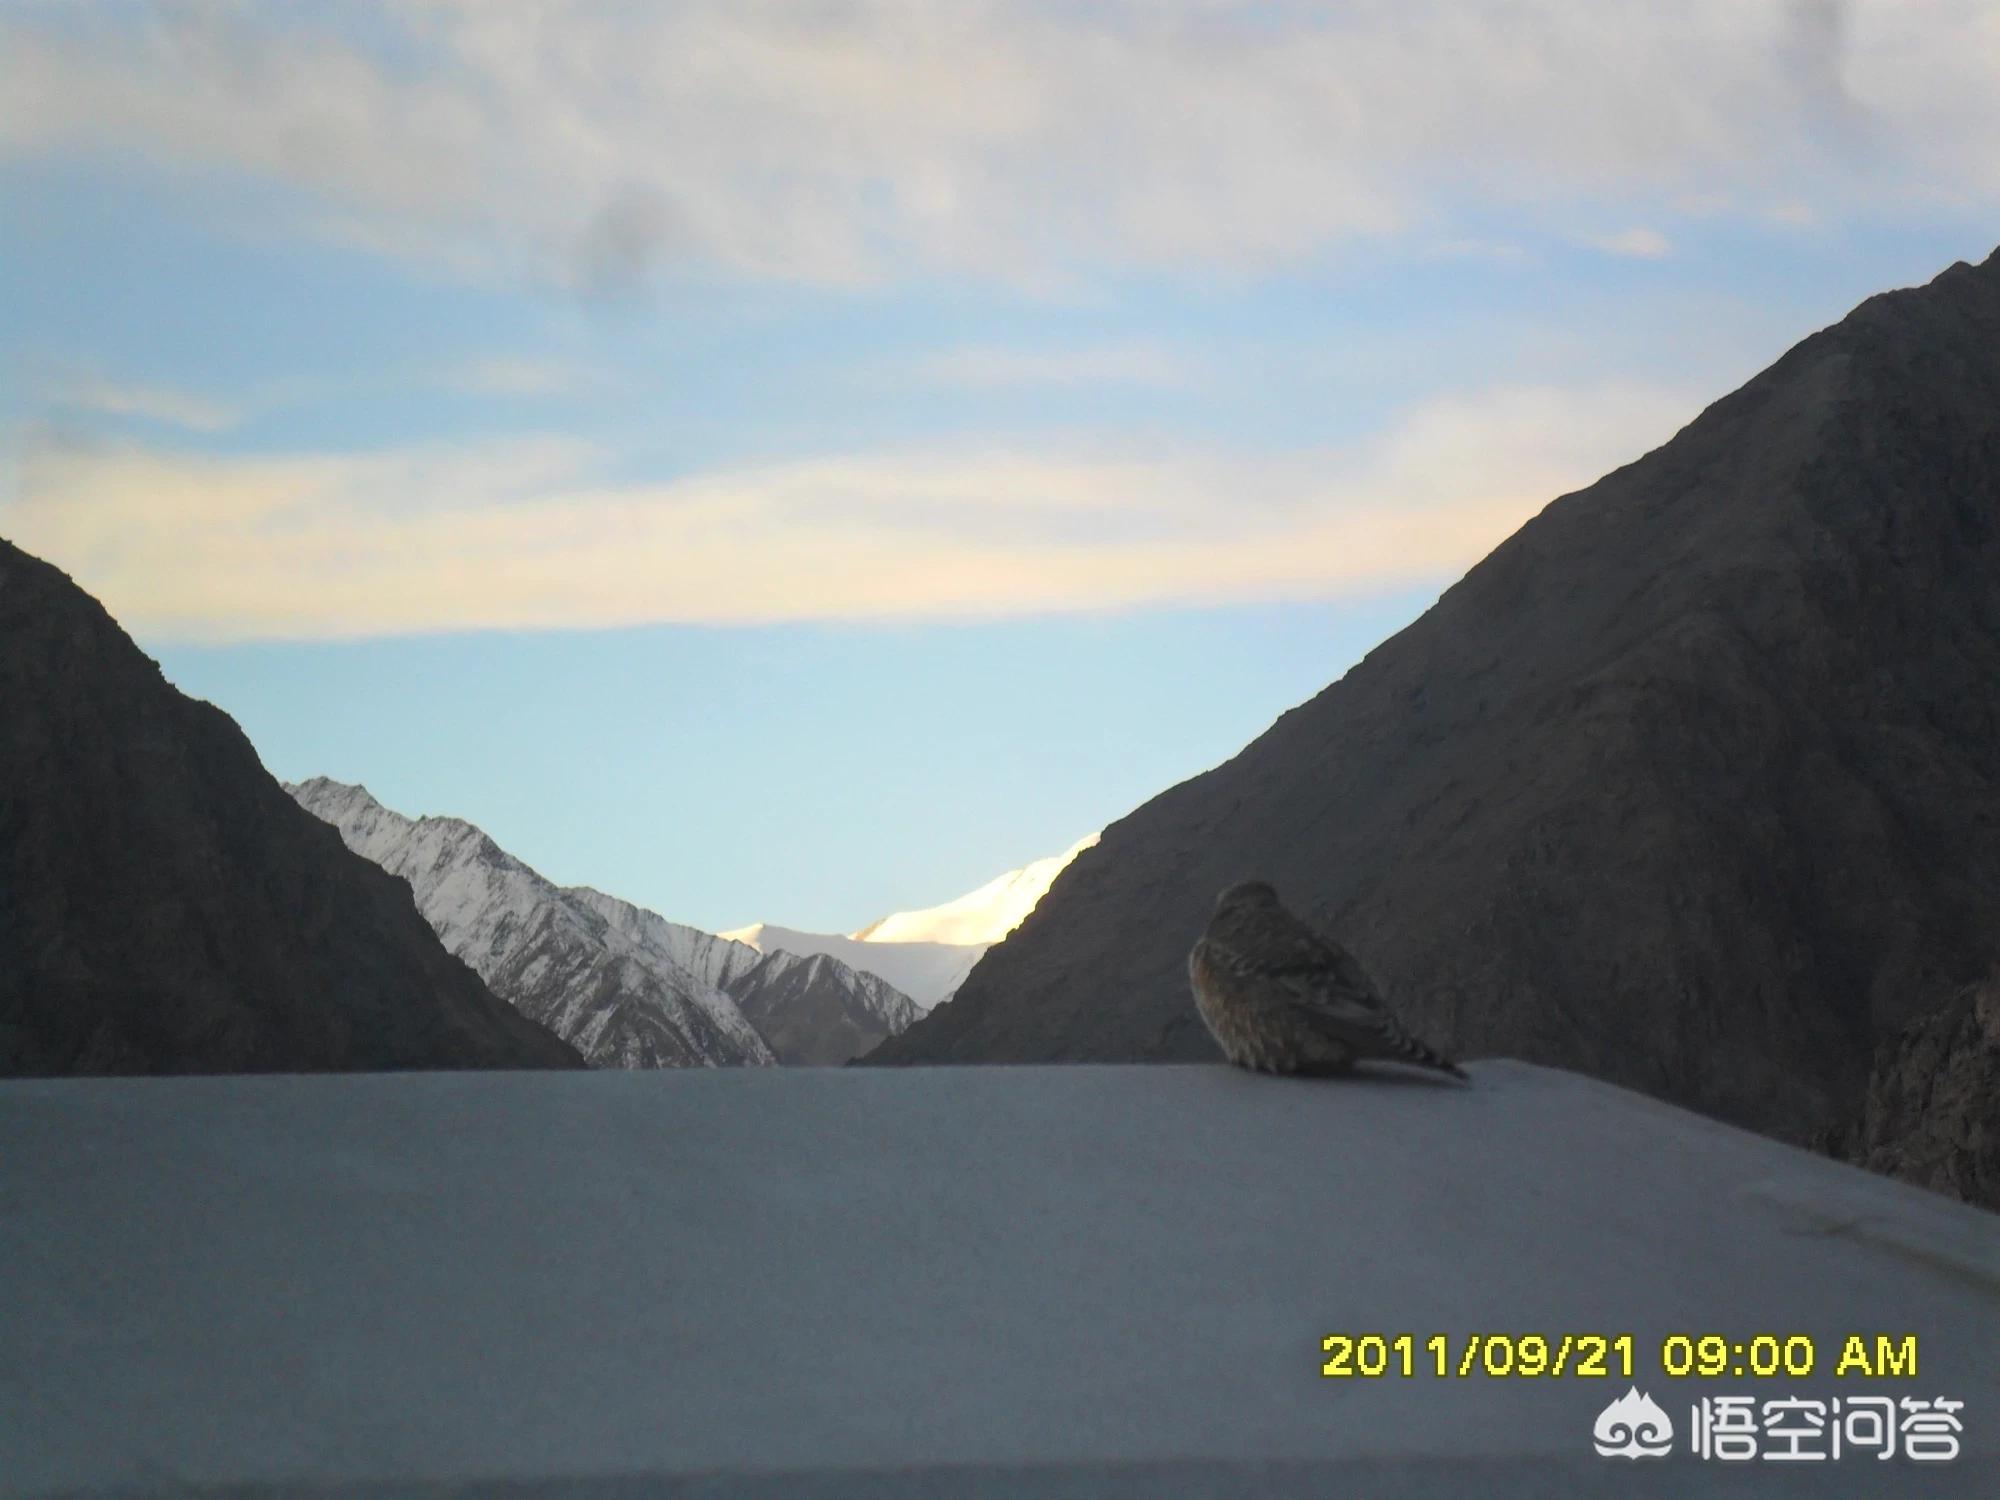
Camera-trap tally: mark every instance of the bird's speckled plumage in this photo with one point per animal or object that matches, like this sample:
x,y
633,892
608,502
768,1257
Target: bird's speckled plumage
x,y
1280,998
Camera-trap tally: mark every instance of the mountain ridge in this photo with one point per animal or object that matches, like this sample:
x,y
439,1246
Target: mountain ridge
x,y
626,986
927,953
554,959
166,908
1692,784
981,916
928,973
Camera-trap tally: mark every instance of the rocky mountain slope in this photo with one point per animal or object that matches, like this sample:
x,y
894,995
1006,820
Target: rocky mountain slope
x,y
1932,1113
812,1009
816,1011
928,973
1693,784
166,908
626,987
619,999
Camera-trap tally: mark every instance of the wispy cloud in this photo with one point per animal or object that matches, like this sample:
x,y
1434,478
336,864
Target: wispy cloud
x,y
150,403
1638,242
1474,247
519,377
64,395
992,366
525,535
593,143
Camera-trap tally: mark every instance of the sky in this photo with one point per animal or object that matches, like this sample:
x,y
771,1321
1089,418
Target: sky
x,y
792,462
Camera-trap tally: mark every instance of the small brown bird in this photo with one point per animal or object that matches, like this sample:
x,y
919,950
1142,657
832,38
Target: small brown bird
x,y
1280,998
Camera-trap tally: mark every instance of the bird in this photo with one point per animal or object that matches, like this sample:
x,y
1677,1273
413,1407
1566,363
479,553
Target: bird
x,y
1280,998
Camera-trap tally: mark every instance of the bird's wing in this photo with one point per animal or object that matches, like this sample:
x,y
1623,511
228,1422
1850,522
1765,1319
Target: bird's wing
x,y
1365,1024
1296,970
1291,966
1317,970
1357,1017
1325,983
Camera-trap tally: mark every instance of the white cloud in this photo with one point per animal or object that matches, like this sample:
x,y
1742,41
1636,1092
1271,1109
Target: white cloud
x,y
523,534
1638,242
595,142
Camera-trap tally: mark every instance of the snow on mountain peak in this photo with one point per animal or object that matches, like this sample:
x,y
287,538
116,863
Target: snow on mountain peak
x,y
983,916
927,954
927,973
623,985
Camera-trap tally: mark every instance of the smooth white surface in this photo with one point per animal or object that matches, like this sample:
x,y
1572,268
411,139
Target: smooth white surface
x,y
995,1281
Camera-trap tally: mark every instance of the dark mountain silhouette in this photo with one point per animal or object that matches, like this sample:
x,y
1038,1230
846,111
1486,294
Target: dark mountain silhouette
x,y
1932,1114
165,907
1693,784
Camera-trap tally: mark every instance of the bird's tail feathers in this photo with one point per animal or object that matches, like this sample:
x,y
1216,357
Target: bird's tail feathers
x,y
1410,1050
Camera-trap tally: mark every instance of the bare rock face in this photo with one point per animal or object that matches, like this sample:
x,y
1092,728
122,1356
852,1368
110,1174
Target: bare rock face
x,y
1693,784
817,1012
166,908
810,1009
1933,1110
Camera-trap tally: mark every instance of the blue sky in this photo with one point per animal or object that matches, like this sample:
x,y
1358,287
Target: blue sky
x,y
793,462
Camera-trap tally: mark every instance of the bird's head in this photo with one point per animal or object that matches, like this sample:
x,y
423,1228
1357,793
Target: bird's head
x,y
1246,894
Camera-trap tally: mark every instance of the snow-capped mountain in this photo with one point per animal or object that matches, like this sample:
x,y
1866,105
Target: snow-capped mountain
x,y
811,1008
623,985
981,917
927,954
926,972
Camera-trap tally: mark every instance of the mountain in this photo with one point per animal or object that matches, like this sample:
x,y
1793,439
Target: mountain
x,y
815,1010
1932,1113
166,908
812,1009
927,954
620,999
983,916
628,988
927,973
1693,784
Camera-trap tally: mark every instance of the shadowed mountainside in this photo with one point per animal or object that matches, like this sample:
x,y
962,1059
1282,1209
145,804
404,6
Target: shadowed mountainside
x,y
1693,784
166,908
1933,1109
